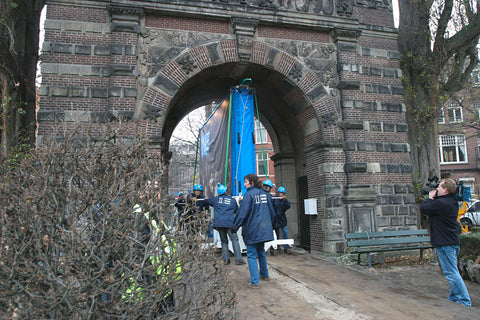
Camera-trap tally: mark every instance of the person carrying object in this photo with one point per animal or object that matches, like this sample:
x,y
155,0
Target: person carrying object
x,y
180,203
224,207
196,204
281,205
255,216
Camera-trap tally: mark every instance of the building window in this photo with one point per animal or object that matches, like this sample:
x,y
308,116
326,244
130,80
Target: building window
x,y
476,106
452,148
260,132
455,114
478,147
262,166
441,116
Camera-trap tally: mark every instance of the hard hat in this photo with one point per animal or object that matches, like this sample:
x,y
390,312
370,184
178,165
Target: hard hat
x,y
268,182
221,189
282,190
180,193
198,187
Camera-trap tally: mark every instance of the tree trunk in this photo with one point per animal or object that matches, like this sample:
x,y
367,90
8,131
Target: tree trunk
x,y
9,119
18,58
421,96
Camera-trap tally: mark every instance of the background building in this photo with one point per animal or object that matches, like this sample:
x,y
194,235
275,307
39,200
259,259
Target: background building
x,y
459,139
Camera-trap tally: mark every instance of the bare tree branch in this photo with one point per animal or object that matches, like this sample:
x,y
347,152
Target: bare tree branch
x,y
84,236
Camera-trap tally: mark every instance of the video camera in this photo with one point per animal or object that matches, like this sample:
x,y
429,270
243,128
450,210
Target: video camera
x,y
463,193
431,184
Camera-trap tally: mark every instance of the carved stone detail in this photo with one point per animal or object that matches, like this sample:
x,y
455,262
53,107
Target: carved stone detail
x,y
347,34
296,72
151,112
321,58
375,4
329,119
125,19
327,7
126,11
316,7
345,8
245,30
187,64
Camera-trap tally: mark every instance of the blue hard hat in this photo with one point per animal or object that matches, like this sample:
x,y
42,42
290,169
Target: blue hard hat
x,y
268,182
180,193
198,187
221,189
282,190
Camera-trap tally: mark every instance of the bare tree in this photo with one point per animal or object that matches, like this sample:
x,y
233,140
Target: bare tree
x,y
184,145
438,43
19,38
186,132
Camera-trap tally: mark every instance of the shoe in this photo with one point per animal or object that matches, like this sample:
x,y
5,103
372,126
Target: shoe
x,y
226,262
240,262
287,251
264,278
253,286
272,251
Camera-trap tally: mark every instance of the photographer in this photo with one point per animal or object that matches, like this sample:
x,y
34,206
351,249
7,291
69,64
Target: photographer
x,y
442,209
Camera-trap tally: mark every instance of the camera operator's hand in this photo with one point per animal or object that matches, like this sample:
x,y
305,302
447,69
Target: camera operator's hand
x,y
432,194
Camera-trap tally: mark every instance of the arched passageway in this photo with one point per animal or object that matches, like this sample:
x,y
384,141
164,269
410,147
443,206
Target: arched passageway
x,y
214,84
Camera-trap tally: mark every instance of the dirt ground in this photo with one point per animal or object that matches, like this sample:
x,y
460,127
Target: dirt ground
x,y
315,286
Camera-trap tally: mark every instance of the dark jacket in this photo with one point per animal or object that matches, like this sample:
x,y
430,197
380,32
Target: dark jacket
x,y
255,216
180,205
442,213
281,206
224,209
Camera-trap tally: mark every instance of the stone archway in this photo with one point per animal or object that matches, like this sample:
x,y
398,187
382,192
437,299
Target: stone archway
x,y
327,73
286,88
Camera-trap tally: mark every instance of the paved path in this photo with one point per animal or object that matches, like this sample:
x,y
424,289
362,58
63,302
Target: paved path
x,y
308,286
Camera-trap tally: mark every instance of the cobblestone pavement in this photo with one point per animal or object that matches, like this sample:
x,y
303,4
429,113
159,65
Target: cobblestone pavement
x,y
314,286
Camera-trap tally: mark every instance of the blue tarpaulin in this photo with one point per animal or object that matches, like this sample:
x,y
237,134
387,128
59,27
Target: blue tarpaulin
x,y
242,138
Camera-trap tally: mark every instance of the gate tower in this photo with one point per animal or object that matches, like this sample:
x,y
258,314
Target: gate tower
x,y
327,78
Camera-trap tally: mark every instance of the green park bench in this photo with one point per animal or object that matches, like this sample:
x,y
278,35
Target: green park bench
x,y
367,242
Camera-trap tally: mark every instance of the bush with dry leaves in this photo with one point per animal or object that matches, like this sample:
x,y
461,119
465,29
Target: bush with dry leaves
x,y
72,246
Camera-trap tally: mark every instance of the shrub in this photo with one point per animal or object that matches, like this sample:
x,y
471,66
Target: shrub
x,y
474,229
73,247
470,246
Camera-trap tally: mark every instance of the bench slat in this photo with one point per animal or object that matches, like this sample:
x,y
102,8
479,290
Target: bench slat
x,y
398,233
365,250
387,241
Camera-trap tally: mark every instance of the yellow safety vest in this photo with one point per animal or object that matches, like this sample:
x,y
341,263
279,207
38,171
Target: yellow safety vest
x,y
135,291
